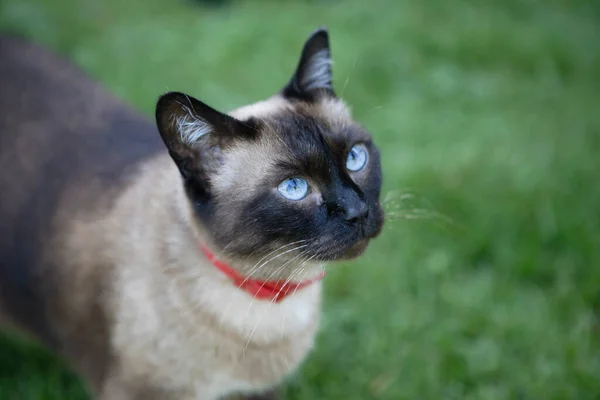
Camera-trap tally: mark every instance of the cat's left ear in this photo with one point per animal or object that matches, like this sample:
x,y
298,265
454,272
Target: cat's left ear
x,y
195,135
313,77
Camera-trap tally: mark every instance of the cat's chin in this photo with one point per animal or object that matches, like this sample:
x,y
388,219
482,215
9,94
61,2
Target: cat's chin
x,y
355,251
347,253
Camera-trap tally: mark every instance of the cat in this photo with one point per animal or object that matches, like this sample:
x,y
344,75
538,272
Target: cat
x,y
181,259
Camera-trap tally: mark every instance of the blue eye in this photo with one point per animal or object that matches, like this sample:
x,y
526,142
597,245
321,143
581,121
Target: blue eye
x,y
293,188
357,158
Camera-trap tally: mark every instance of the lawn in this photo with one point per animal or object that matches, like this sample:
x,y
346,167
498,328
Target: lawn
x,y
486,281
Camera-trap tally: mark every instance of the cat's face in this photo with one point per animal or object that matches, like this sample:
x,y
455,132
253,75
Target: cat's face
x,y
293,173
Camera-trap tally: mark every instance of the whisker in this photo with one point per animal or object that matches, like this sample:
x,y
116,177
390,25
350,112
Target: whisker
x,y
406,205
302,269
417,213
274,298
270,276
254,270
370,110
257,269
348,77
267,309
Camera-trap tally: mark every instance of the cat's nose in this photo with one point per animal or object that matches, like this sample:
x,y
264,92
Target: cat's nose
x,y
356,212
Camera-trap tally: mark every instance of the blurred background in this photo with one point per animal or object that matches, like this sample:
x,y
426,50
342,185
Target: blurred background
x,y
486,281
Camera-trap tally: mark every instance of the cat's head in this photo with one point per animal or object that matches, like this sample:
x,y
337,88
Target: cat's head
x,y
292,173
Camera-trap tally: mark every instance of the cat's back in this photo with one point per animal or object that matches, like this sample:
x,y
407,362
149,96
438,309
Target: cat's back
x,y
65,143
56,121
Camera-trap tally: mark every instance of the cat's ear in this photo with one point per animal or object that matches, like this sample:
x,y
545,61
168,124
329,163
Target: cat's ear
x,y
313,77
195,133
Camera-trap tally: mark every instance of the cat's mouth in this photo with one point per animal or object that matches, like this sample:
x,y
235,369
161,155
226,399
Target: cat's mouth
x,y
353,245
345,250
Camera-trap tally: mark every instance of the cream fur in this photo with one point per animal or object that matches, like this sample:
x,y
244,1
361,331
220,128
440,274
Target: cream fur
x,y
262,108
178,320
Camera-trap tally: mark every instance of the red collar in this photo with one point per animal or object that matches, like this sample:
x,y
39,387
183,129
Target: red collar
x,y
265,290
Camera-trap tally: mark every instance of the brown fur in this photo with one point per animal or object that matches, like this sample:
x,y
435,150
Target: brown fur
x,y
99,241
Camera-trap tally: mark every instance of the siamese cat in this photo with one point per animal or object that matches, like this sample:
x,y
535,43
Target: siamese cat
x,y
180,259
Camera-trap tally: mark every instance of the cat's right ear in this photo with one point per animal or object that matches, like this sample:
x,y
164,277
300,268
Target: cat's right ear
x,y
313,77
195,133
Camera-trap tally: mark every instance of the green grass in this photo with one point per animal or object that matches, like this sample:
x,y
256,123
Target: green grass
x,y
486,282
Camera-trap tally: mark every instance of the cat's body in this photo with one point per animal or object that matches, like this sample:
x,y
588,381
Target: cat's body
x,y
100,242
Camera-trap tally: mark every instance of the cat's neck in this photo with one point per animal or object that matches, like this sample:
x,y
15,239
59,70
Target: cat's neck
x,y
175,266
276,266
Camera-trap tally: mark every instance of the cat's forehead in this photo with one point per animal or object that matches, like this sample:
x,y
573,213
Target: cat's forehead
x,y
301,123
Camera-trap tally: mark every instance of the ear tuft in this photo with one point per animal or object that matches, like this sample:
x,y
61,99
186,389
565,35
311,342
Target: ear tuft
x,y
313,76
190,127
